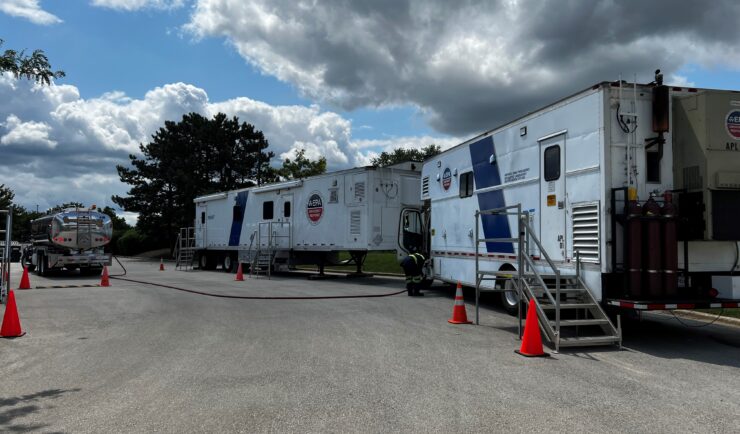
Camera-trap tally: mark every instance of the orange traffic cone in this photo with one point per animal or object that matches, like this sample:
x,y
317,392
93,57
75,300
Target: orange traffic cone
x,y
161,264
532,340
11,327
239,274
25,283
459,316
104,280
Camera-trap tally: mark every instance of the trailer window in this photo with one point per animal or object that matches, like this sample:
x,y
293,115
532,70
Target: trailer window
x,y
466,184
552,163
286,209
203,217
267,210
653,166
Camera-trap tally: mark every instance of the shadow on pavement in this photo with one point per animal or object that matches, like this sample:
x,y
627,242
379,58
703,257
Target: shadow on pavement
x,y
12,408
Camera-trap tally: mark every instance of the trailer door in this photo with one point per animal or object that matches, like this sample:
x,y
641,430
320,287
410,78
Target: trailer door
x,y
200,225
281,228
552,196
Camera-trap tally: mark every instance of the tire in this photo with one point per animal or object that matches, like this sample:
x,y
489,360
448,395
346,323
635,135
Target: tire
x,y
228,264
509,299
42,264
203,261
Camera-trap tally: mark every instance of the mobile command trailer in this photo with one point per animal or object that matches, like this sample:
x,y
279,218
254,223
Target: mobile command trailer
x,y
307,221
555,185
71,239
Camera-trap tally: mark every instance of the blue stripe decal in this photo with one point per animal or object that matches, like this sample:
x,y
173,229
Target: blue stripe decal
x,y
237,220
487,175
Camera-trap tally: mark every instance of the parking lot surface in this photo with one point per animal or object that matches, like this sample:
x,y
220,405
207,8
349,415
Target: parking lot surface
x,y
141,358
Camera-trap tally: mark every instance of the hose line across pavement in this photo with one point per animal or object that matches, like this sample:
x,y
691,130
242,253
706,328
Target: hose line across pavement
x,y
249,297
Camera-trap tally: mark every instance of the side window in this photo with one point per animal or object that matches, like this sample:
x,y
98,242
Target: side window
x,y
267,210
203,217
238,213
286,209
552,163
466,184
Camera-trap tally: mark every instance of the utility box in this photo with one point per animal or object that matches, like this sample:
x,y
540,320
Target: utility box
x,y
727,286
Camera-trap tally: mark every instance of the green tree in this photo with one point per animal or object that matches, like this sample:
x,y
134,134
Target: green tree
x,y
402,155
6,197
302,167
184,160
32,67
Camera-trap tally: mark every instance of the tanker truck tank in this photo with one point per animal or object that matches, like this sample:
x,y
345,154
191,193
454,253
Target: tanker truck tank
x,y
73,238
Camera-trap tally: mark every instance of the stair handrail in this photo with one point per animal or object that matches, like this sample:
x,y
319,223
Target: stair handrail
x,y
551,264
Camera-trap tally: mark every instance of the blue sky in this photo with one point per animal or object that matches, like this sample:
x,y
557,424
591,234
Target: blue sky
x,y
102,50
343,80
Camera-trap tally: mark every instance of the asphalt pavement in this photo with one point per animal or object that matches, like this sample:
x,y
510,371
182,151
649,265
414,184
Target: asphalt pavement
x,y
142,358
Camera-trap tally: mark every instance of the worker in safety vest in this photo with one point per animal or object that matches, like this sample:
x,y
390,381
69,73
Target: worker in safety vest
x,y
413,265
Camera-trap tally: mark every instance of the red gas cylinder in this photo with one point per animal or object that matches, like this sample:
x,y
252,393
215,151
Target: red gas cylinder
x,y
652,257
633,249
670,246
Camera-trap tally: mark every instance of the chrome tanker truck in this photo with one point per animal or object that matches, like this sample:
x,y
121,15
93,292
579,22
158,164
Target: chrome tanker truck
x,y
72,239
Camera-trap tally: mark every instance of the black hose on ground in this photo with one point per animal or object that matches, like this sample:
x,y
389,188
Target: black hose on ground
x,y
249,297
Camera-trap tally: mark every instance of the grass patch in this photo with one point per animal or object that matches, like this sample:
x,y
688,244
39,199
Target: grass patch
x,y
376,262
730,312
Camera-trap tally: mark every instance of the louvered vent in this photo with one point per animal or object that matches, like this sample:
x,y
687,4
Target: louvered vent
x,y
692,178
425,186
359,191
355,222
586,232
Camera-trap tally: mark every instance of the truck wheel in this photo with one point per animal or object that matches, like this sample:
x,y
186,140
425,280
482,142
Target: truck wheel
x,y
202,261
43,264
509,297
228,263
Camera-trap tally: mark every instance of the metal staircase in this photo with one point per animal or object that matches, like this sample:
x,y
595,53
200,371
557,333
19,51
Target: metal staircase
x,y
555,294
185,249
6,230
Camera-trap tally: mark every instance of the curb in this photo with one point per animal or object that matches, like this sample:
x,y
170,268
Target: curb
x,y
708,316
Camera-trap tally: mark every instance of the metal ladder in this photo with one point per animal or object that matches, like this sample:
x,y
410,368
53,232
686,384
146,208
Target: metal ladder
x,y
5,252
264,255
185,249
552,292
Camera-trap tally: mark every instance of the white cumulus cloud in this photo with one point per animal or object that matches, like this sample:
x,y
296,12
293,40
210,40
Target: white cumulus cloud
x,y
29,10
467,65
58,147
26,133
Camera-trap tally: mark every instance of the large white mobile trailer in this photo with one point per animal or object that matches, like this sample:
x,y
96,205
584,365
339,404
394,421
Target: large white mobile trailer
x,y
572,167
306,221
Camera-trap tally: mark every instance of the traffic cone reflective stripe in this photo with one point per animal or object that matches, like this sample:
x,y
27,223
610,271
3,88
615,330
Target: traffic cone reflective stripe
x,y
161,264
11,327
104,280
25,282
239,274
459,316
532,340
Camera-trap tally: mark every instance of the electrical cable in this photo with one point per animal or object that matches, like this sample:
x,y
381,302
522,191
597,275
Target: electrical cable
x,y
696,326
251,297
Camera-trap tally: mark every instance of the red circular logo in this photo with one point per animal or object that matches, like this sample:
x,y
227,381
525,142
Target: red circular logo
x,y
447,178
733,124
314,208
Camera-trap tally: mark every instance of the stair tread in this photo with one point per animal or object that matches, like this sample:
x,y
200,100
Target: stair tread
x,y
579,322
605,338
568,305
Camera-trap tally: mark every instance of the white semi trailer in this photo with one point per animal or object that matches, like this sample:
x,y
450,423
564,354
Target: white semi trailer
x,y
306,221
621,195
